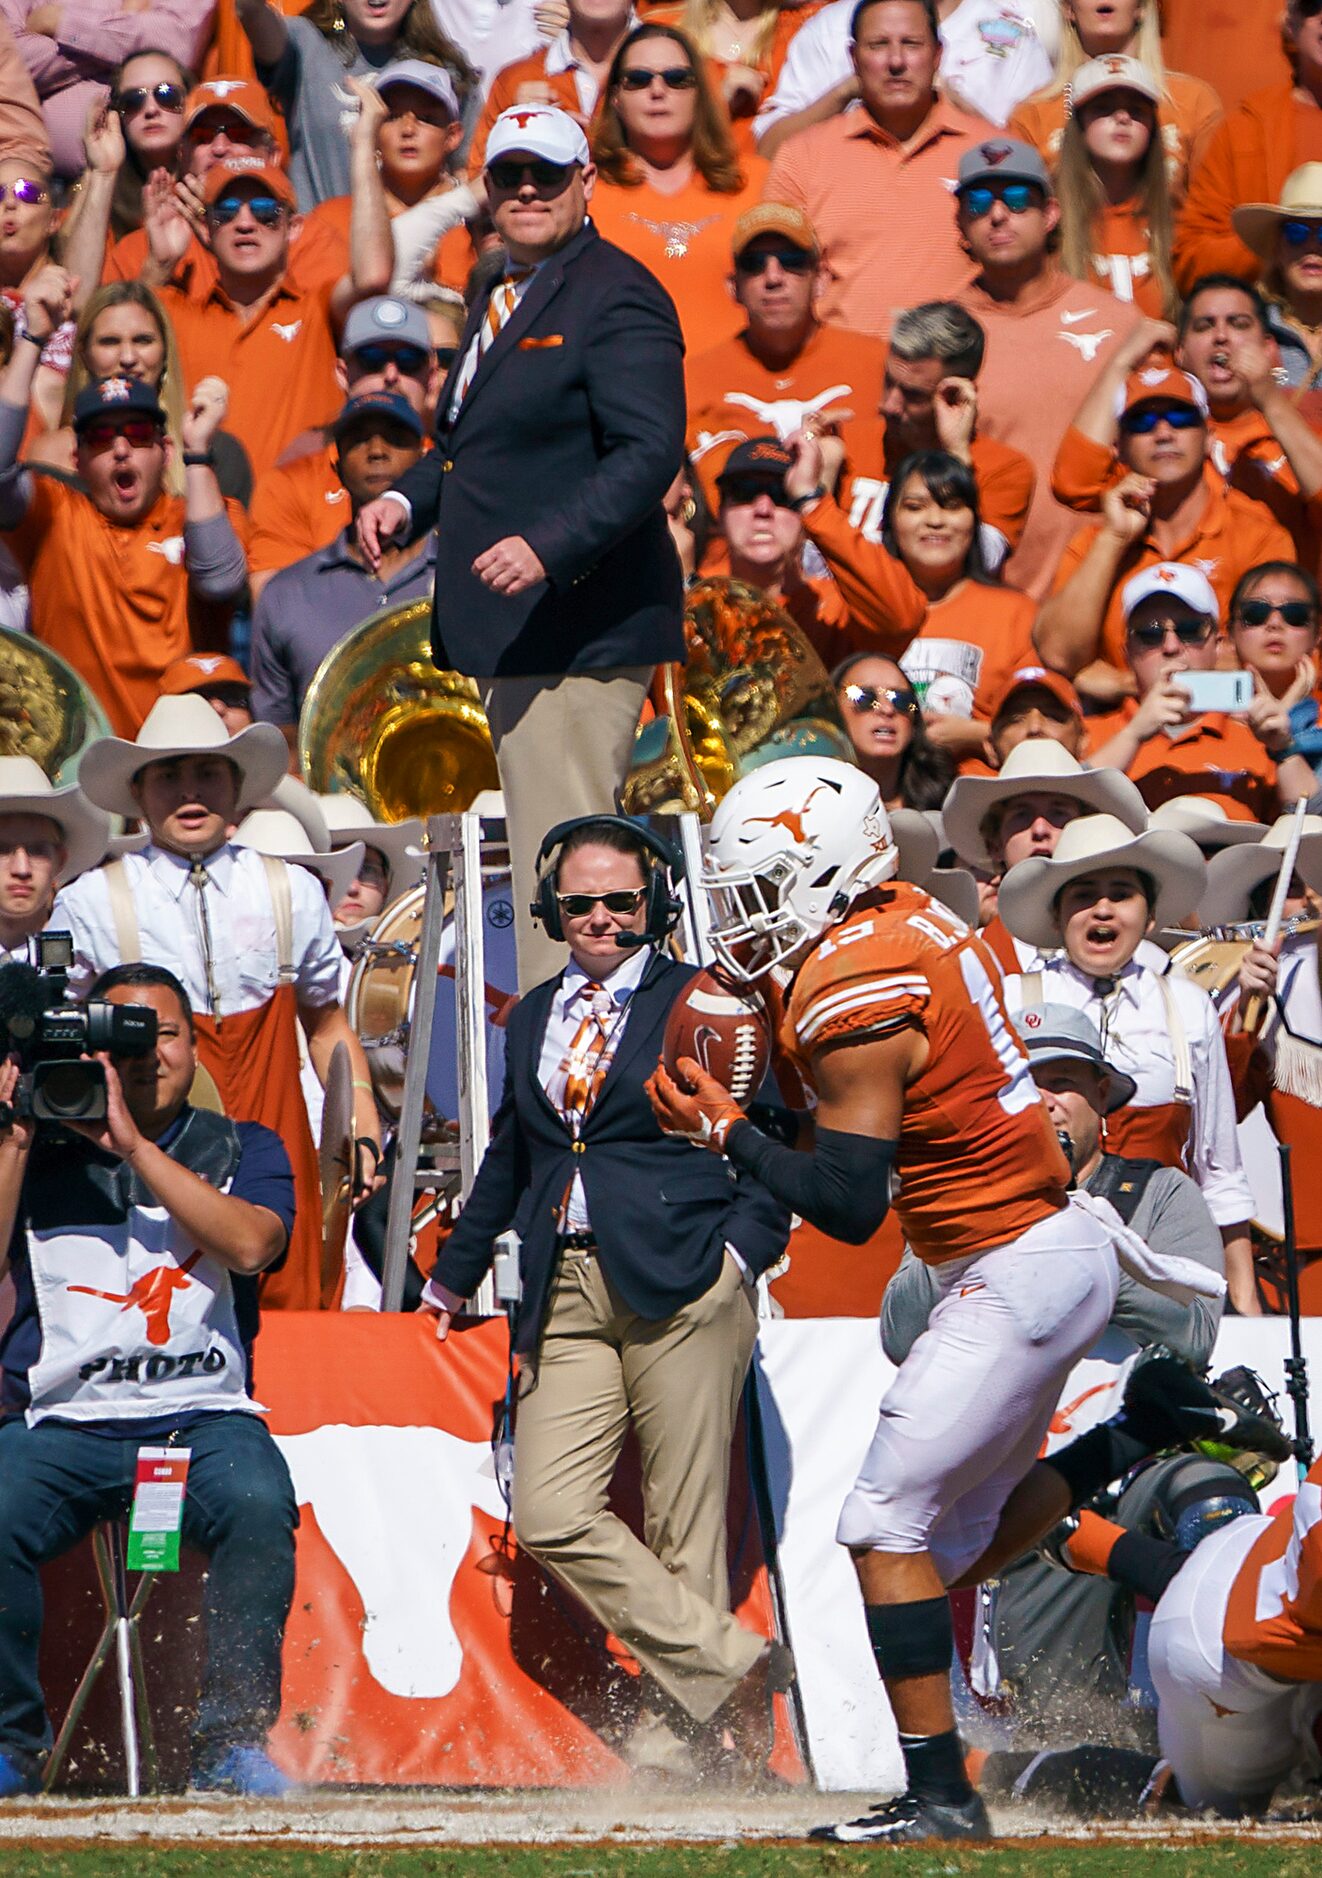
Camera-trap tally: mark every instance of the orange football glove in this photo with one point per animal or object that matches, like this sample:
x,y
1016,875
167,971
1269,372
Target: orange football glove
x,y
704,1113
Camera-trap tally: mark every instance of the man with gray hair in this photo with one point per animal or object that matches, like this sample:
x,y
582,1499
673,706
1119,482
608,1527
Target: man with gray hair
x,y
929,401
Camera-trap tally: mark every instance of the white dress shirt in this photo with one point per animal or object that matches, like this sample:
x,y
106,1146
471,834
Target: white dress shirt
x,y
1135,1032
243,944
995,53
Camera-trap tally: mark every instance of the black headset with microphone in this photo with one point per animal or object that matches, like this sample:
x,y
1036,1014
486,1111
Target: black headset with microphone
x,y
661,907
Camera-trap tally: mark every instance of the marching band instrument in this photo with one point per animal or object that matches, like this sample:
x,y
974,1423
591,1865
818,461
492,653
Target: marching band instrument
x,y
751,689
47,712
1212,959
385,723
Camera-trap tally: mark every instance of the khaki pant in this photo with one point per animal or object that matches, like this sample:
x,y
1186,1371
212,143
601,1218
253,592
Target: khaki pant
x,y
678,1380
563,748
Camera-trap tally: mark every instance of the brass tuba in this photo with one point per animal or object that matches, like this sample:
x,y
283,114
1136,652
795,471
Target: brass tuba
x,y
47,711
380,719
751,689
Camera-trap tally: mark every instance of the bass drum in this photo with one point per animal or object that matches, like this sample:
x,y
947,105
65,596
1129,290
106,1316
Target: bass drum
x,y
379,999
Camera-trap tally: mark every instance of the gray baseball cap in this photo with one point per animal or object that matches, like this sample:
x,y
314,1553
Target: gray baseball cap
x,y
1002,160
427,77
384,319
1056,1033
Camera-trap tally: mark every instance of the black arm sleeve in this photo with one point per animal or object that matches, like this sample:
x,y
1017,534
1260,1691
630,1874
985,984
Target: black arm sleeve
x,y
843,1186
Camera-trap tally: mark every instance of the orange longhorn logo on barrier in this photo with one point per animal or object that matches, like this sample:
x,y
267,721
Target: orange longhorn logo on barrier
x,y
791,820
151,1295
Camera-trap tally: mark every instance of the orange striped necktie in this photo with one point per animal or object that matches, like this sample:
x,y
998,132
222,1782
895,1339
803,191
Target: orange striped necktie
x,y
588,1057
500,306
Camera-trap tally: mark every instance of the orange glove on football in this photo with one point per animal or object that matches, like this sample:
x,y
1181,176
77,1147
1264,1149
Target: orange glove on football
x,y
704,1113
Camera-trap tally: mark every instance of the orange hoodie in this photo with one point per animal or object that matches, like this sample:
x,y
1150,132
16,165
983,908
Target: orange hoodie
x,y
1248,157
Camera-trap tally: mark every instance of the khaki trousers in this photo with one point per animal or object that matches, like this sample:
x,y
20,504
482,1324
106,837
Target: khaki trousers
x,y
563,748
666,1597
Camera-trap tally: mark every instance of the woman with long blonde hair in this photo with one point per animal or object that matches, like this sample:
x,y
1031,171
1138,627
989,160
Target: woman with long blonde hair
x,y
1187,113
1116,225
670,184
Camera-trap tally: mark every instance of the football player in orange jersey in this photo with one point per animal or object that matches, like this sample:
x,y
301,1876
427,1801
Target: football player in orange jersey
x,y
894,1016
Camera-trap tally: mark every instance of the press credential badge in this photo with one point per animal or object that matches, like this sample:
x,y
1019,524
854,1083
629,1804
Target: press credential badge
x,y
157,1518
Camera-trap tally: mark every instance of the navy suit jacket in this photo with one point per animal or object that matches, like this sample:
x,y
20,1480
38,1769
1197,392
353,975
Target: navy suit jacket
x,y
661,1209
569,435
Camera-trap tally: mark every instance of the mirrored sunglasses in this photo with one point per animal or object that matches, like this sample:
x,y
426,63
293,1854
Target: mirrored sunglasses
x,y
169,96
25,190
1299,234
877,698
1019,198
265,209
411,360
138,431
1178,416
623,900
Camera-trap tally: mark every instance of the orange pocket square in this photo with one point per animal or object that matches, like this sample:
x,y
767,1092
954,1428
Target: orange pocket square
x,y
534,345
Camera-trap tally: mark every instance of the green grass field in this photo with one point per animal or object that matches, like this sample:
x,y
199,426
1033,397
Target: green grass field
x,y
1245,1858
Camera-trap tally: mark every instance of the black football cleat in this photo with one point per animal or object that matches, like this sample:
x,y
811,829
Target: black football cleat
x,y
1167,1404
909,1820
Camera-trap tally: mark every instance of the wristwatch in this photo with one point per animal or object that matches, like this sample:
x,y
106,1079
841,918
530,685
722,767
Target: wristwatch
x,y
200,458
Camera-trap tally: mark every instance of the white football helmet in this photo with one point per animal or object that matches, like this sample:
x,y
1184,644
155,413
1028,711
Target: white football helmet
x,y
790,848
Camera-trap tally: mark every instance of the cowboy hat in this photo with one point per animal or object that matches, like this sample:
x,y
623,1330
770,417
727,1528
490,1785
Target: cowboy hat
x,y
1206,821
919,836
400,843
1095,844
281,834
26,789
181,726
1257,223
1042,766
1058,1033
1232,876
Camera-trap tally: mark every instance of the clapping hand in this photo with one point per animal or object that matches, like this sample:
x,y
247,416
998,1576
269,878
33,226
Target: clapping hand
x,y
205,414
48,301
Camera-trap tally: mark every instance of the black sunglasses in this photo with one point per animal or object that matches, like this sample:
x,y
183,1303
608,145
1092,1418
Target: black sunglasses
x,y
1293,612
1191,629
739,489
622,900
1179,416
445,356
793,260
169,96
674,78
378,354
509,174
265,209
874,697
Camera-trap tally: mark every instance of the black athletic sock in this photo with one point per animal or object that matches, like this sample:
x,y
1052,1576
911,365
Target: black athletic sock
x,y
1099,1457
934,1765
1144,1564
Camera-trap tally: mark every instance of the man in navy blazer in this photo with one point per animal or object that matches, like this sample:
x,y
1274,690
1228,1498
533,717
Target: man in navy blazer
x,y
559,431
638,1261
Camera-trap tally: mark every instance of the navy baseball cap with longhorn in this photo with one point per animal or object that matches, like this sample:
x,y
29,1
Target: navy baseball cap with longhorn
x,y
758,459
116,397
378,404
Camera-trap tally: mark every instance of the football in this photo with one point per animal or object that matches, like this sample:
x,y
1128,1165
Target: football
x,y
726,1031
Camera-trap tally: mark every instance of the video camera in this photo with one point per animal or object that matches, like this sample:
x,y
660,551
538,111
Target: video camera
x,y
53,1037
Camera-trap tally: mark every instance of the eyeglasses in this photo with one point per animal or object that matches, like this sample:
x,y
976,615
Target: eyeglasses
x,y
510,175
622,900
265,209
1293,612
1019,198
674,78
1178,416
170,97
25,190
742,489
1191,629
877,698
1299,234
138,431
411,360
792,260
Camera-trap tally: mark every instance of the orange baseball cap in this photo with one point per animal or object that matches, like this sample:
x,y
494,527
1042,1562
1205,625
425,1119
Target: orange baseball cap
x,y
1163,384
198,671
240,95
255,170
774,218
1038,678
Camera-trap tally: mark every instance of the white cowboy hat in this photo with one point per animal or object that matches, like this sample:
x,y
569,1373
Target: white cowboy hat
x,y
182,726
1092,845
401,843
1232,876
280,833
26,789
1257,223
1206,821
920,839
1039,765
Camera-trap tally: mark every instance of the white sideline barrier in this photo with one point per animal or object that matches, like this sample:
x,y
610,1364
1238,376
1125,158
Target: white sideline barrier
x,y
819,1381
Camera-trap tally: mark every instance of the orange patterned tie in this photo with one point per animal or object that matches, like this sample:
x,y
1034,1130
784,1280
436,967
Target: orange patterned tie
x,y
588,1059
504,299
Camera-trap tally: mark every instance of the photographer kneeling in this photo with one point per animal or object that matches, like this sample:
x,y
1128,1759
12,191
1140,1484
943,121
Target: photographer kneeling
x,y
134,1252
